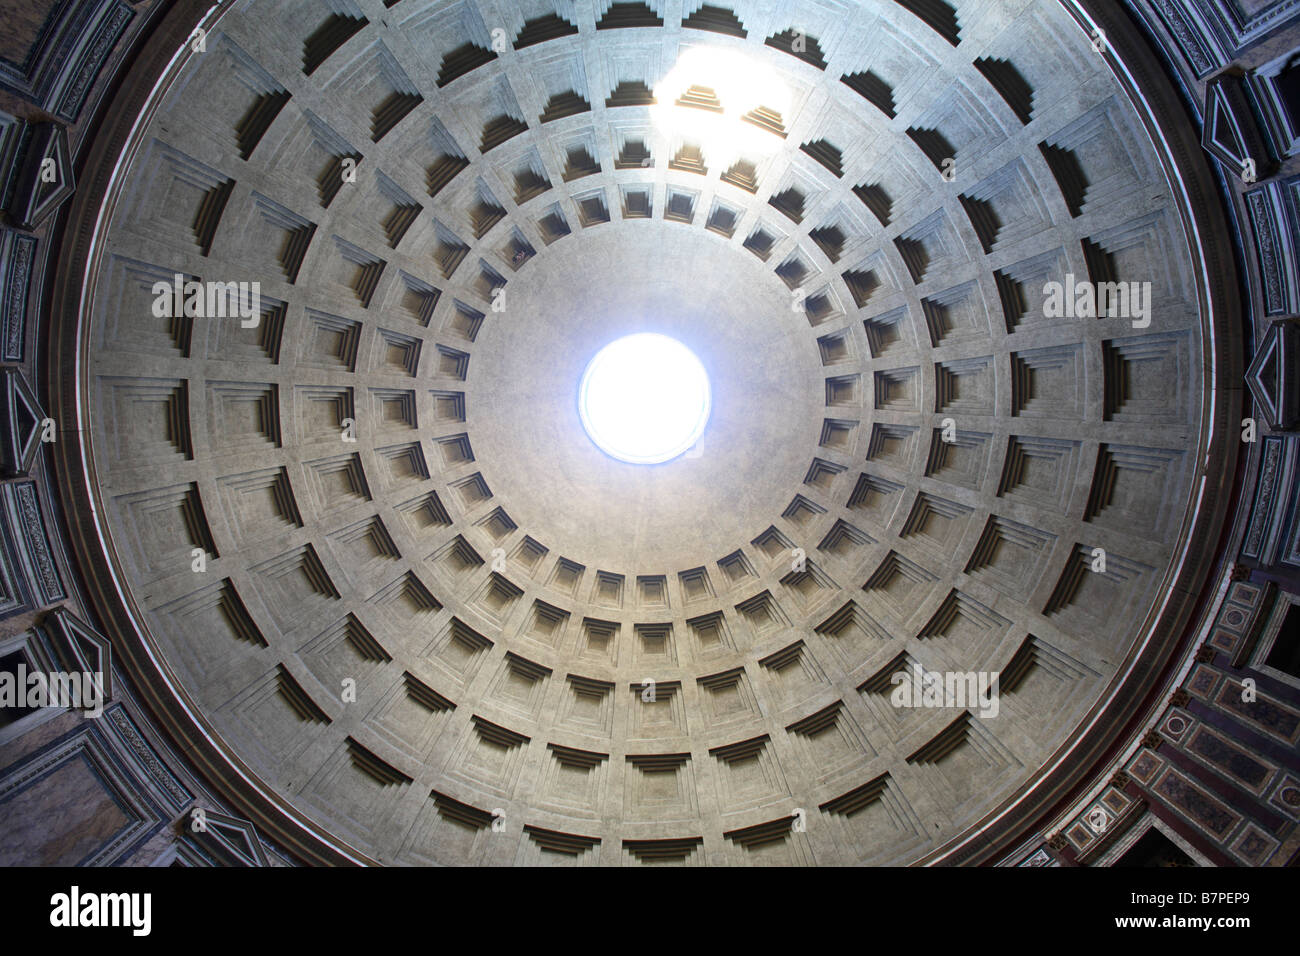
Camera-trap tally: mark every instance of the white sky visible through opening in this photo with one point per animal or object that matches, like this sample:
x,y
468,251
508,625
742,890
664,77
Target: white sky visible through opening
x,y
644,398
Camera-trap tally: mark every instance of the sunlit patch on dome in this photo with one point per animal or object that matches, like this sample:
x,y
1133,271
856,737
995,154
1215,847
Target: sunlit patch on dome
x,y
705,97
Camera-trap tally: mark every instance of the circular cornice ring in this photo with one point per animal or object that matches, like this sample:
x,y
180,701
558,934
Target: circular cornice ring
x,y
1062,774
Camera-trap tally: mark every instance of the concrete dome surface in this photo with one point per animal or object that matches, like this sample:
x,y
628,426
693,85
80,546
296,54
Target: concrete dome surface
x,y
958,467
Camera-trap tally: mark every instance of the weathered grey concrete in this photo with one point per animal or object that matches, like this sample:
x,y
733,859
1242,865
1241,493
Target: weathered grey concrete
x,y
825,431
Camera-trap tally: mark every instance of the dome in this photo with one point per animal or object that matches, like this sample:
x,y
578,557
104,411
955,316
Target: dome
x,y
739,433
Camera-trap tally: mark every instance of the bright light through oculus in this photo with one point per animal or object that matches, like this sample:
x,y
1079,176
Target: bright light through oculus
x,y
644,398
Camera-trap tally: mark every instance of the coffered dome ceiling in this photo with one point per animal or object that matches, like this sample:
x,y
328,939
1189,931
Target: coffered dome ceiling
x,y
848,211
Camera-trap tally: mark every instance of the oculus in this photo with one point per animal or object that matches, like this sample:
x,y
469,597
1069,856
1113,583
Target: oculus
x,y
644,399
